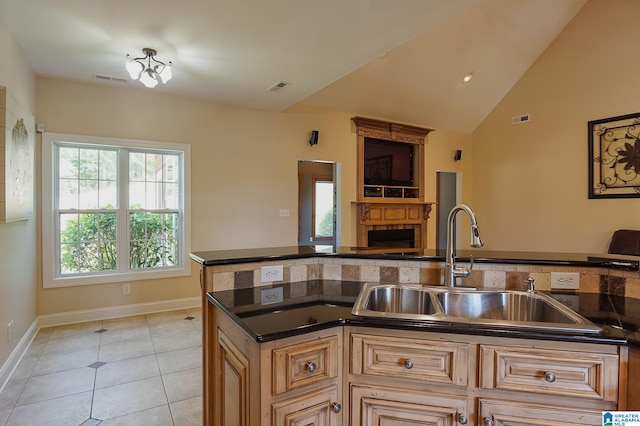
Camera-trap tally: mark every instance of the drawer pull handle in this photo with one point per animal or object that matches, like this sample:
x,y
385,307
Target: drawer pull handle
x,y
335,407
462,419
311,367
408,364
488,422
549,377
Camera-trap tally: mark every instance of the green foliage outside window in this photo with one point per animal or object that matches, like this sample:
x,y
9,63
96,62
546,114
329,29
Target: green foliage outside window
x,y
88,241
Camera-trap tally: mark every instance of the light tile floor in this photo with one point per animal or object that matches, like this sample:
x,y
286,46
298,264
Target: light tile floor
x,y
140,370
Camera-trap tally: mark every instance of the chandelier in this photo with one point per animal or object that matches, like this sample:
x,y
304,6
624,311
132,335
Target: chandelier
x,y
148,69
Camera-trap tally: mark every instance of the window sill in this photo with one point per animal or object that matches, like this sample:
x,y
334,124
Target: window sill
x,y
116,277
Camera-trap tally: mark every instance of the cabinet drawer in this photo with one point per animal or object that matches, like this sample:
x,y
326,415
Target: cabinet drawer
x,y
305,363
549,371
504,413
382,406
318,408
400,358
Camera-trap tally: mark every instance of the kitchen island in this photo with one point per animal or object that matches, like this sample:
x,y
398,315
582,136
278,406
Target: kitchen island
x,y
300,356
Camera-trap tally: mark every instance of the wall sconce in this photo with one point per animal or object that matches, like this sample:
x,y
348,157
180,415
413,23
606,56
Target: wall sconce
x,y
314,138
458,155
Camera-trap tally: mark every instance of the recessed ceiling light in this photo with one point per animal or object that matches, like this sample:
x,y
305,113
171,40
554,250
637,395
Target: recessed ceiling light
x,y
467,78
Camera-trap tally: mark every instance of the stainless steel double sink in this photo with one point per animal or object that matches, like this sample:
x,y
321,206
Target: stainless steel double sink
x,y
489,308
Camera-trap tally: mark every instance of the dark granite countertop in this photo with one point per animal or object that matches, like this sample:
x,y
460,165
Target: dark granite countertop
x,y
319,304
226,257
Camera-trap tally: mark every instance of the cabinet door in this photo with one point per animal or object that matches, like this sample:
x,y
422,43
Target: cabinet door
x,y
317,408
506,413
233,385
380,406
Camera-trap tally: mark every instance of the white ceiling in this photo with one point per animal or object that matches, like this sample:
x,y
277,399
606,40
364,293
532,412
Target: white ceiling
x,y
396,59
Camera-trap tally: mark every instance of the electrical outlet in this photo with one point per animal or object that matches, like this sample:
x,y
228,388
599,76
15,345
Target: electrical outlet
x,y
11,327
126,288
271,273
565,281
271,295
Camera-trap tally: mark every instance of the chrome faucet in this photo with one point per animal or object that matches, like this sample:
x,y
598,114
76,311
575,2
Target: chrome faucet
x,y
451,271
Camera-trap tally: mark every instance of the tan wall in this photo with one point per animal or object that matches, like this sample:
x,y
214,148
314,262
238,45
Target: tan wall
x,y
244,169
18,253
530,180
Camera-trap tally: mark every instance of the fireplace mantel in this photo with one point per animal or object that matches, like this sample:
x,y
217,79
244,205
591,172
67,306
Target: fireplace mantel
x,y
390,216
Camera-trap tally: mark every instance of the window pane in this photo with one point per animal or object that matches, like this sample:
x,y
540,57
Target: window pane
x,y
88,164
68,193
153,240
154,168
108,194
88,242
172,196
108,165
136,195
324,209
136,167
88,194
171,168
68,165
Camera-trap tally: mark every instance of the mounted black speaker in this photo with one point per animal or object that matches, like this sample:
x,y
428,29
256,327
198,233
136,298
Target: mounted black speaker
x,y
458,155
314,138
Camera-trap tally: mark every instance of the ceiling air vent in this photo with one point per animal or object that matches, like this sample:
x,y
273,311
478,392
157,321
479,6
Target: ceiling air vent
x,y
279,85
107,78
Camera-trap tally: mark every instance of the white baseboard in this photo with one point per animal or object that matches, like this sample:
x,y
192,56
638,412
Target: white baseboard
x,y
117,311
16,355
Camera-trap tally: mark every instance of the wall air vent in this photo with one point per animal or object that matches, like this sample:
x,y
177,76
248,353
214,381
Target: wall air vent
x,y
520,119
279,85
107,78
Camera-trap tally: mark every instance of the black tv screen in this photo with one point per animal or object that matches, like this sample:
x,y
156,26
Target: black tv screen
x,y
388,163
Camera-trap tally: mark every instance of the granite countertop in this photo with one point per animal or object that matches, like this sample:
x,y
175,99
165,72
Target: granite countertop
x,y
226,257
319,304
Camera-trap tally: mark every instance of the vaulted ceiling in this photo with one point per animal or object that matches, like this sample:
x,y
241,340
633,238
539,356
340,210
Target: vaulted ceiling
x,y
402,60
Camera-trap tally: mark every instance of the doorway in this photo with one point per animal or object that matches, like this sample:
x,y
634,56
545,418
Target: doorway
x,y
448,190
318,203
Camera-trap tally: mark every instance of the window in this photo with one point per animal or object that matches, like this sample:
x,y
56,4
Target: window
x,y
113,210
322,208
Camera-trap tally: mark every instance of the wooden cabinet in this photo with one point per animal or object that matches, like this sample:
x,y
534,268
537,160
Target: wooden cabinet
x,y
291,381
409,377
370,376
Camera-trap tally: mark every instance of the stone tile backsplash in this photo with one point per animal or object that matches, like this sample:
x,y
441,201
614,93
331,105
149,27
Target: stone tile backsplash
x,y
494,276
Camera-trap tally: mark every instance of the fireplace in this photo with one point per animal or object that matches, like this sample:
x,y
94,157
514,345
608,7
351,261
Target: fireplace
x,y
392,238
393,227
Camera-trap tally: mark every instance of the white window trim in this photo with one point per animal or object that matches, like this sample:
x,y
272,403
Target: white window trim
x,y
49,279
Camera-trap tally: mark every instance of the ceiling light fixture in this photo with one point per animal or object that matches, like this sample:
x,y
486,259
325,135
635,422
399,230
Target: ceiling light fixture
x,y
148,73
467,78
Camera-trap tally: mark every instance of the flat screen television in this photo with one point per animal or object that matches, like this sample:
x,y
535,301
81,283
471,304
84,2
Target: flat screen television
x,y
388,163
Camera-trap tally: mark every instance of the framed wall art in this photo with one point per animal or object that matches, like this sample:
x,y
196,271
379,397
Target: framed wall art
x,y
614,157
17,160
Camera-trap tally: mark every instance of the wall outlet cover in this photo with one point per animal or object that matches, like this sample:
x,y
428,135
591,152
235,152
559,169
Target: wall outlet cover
x,y
270,274
565,281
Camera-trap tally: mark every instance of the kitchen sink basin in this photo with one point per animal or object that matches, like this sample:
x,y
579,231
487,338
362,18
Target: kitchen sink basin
x,y
502,305
400,300
485,308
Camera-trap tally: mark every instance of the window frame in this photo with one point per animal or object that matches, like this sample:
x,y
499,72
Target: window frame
x,y
51,275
